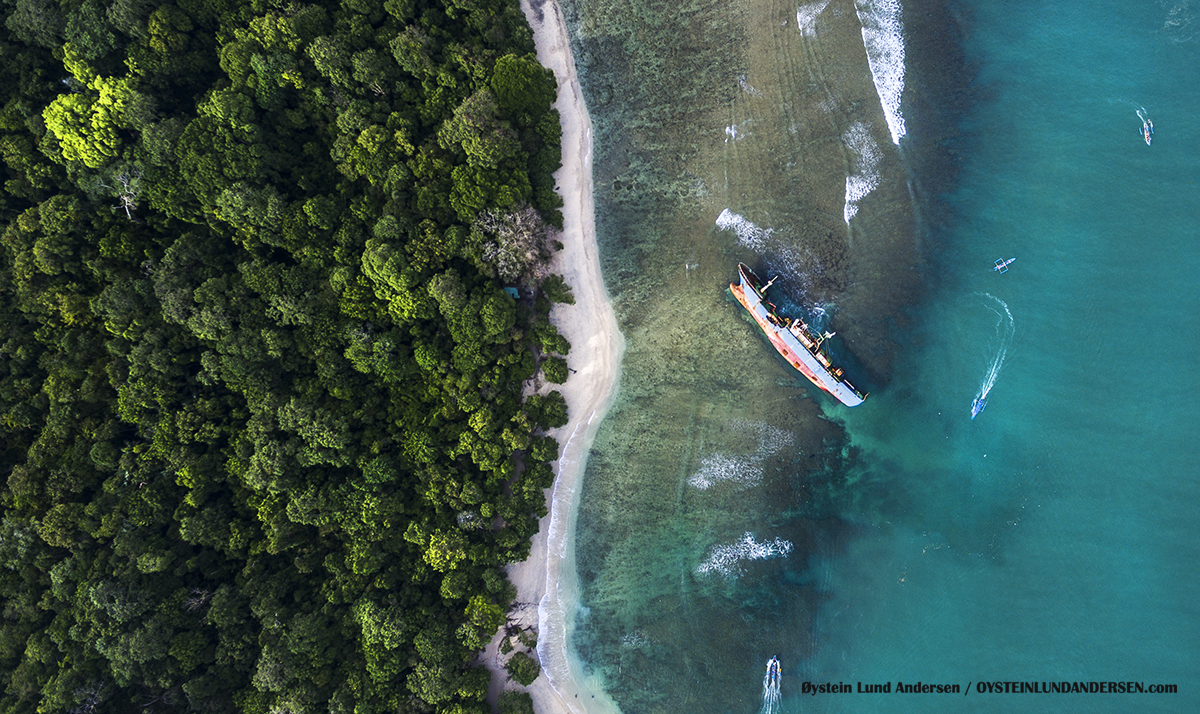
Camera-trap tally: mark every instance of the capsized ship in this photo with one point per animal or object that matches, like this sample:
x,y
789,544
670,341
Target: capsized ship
x,y
799,345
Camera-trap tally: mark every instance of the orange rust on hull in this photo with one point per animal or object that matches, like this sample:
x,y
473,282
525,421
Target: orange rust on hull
x,y
776,342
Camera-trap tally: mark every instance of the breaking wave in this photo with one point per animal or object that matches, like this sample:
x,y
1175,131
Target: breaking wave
x,y
771,439
883,37
733,132
744,470
727,468
746,86
806,17
636,640
782,254
747,233
866,178
726,559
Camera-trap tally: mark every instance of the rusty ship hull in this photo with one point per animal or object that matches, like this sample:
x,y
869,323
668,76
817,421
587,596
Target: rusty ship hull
x,y
793,340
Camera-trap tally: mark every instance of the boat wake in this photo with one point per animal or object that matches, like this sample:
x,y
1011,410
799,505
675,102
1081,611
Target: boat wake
x,y
1147,128
771,687
1005,329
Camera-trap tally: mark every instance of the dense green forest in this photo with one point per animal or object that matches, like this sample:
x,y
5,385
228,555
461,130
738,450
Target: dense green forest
x,y
264,443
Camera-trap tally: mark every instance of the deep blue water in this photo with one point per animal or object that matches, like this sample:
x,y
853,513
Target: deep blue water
x,y
1054,537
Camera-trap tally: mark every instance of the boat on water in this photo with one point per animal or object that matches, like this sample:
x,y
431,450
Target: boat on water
x,y
1147,129
977,406
1002,265
800,346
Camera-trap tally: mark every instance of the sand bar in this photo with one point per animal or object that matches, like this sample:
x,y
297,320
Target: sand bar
x,y
548,578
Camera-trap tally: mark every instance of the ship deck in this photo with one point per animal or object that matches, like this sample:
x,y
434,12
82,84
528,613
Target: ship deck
x,y
813,364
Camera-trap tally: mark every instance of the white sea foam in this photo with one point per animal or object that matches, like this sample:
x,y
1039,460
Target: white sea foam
x,y
727,468
771,695
735,132
771,439
783,252
744,470
866,177
552,648
747,233
883,37
1180,22
746,87
806,17
726,559
797,262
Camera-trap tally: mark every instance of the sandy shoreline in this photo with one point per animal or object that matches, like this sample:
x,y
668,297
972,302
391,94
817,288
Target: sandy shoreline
x,y
546,582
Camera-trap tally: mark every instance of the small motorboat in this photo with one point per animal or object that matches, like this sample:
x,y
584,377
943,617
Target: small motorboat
x,y
1002,265
977,406
1147,130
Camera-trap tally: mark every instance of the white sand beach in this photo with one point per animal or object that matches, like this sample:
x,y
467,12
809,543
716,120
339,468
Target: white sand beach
x,y
546,583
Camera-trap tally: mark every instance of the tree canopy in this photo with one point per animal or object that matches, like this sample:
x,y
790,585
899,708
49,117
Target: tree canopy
x,y
264,442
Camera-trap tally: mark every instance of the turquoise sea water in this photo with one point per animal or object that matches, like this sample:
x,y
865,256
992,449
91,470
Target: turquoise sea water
x,y
1052,538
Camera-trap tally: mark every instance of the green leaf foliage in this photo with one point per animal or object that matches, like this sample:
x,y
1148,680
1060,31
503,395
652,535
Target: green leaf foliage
x,y
515,703
264,442
555,369
523,668
557,290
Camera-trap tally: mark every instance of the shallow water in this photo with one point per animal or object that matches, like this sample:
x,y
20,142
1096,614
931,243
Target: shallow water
x,y
729,515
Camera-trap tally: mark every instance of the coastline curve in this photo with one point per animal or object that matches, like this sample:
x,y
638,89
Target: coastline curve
x,y
548,577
